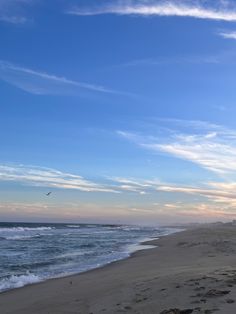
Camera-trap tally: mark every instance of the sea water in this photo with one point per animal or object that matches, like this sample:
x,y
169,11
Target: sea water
x,y
31,253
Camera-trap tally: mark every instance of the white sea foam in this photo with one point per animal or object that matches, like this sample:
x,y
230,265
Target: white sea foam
x,y
15,281
130,228
61,250
75,254
23,229
21,237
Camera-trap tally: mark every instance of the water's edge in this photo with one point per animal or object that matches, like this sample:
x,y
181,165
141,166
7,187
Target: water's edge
x,y
143,244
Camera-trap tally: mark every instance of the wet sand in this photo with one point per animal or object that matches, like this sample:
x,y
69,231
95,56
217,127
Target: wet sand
x,y
193,271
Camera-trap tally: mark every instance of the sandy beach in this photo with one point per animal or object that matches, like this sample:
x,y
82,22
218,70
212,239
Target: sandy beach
x,y
193,271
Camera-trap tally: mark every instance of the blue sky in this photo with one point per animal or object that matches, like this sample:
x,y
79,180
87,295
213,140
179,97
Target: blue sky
x,y
124,109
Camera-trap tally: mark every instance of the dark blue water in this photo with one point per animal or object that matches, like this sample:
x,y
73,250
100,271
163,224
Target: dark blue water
x,y
31,253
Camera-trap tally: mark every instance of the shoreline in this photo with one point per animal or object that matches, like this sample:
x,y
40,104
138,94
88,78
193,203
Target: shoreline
x,y
189,270
142,244
147,244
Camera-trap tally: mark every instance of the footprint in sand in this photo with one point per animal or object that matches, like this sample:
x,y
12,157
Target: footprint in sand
x,y
188,311
216,293
177,311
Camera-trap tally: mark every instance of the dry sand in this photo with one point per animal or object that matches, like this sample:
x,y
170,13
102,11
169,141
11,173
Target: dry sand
x,y
193,271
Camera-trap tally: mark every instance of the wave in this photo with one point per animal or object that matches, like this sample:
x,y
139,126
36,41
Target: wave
x,y
22,229
130,228
63,249
15,281
18,237
71,255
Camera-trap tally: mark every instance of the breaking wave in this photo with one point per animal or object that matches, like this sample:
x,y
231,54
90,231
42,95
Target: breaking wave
x,y
15,281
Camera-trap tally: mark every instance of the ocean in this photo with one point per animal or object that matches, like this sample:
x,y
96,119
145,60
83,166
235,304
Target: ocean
x,y
31,253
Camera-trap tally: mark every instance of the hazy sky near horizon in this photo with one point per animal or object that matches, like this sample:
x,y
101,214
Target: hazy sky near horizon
x,y
125,110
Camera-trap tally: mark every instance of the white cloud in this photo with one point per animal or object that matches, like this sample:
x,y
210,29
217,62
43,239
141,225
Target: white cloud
x,y
213,194
207,152
13,19
12,11
28,208
142,187
209,146
217,199
172,205
228,34
41,83
212,205
203,211
51,178
194,124
200,9
158,61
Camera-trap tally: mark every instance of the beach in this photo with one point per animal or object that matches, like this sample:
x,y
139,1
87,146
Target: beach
x,y
193,271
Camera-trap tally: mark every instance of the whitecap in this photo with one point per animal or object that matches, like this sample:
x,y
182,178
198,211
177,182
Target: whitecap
x,y
17,281
22,229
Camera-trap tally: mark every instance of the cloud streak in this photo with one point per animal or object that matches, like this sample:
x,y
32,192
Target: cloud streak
x,y
134,185
41,83
212,200
209,146
52,178
216,198
220,192
215,194
161,8
177,60
11,11
38,176
228,34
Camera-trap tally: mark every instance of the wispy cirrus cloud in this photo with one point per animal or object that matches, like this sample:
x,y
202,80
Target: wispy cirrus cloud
x,y
41,83
201,211
228,34
217,194
214,191
12,11
209,200
176,60
216,10
205,212
207,145
219,58
134,185
45,177
52,178
216,199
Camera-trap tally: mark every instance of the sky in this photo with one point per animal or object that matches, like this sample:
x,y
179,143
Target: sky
x,y
124,109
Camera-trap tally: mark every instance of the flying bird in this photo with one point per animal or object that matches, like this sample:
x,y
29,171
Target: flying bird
x,y
48,193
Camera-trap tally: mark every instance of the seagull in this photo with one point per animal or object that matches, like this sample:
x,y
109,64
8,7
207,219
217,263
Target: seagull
x,y
48,193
